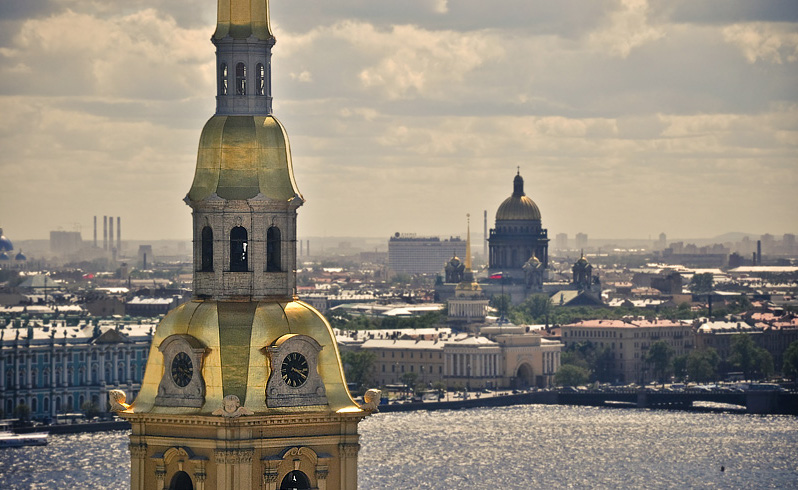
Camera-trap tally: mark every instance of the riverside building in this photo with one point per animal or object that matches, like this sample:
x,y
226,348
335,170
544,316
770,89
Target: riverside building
x,y
629,341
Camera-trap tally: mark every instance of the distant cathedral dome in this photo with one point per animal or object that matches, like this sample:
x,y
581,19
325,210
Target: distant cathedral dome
x,y
5,243
20,256
240,157
518,206
4,256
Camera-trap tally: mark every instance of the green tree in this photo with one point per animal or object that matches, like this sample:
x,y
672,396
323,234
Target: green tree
x,y
22,411
571,375
790,363
680,367
501,302
536,308
743,355
440,388
359,367
409,379
702,365
659,357
702,283
90,409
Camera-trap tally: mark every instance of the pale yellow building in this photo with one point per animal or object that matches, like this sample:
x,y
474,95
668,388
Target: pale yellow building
x,y
629,341
243,387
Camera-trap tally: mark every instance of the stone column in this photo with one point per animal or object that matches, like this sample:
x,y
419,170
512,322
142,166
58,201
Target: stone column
x,y
234,468
127,355
270,472
321,476
348,456
138,455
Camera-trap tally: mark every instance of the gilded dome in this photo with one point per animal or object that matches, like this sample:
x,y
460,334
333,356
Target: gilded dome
x,y
518,206
235,336
240,157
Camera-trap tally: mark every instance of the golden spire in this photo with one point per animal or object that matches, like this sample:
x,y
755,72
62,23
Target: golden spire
x,y
241,19
468,244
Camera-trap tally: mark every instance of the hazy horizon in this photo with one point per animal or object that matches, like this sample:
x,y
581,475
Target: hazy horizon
x,y
626,117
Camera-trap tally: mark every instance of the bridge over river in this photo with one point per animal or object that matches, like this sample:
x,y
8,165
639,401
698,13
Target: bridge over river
x,y
757,402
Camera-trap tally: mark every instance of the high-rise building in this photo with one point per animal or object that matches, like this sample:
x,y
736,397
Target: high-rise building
x,y
411,254
561,241
244,386
581,241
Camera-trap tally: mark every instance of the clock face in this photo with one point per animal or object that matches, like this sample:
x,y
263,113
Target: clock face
x,y
294,369
182,369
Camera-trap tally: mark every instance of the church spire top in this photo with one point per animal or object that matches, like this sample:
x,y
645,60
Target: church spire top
x,y
242,19
468,244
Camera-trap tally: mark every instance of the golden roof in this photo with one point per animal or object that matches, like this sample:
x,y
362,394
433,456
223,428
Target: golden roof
x,y
518,206
235,334
241,19
242,156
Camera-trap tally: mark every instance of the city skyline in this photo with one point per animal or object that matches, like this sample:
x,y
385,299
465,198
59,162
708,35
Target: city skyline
x,y
626,118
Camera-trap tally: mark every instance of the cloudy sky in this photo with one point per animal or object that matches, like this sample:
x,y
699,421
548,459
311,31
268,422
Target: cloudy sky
x,y
627,117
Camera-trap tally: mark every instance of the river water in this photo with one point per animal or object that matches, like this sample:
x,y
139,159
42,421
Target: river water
x,y
520,447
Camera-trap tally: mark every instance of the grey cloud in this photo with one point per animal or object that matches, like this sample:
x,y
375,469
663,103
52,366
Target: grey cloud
x,y
726,11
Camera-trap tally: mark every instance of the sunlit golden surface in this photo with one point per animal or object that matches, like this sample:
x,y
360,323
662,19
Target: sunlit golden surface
x,y
235,334
242,156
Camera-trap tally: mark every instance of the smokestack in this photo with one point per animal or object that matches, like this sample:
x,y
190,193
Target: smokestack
x,y
308,247
95,232
105,232
485,235
759,252
753,258
111,233
301,248
119,234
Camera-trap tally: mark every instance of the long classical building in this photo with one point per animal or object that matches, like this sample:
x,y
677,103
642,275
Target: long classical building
x,y
508,357
629,341
54,369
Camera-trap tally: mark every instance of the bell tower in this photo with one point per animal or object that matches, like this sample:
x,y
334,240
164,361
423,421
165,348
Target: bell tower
x,y
244,386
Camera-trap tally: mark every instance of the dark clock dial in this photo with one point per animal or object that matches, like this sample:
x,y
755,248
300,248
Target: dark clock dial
x,y
182,369
294,369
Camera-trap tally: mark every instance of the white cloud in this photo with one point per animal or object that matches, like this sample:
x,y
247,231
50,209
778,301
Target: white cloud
x,y
626,29
769,42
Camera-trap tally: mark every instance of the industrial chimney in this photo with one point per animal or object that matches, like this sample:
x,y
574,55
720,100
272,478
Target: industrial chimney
x,y
111,233
119,234
95,231
105,232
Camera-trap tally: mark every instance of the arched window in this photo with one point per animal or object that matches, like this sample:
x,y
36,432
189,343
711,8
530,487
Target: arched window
x,y
34,405
181,481
273,250
46,404
241,79
58,404
296,480
206,252
70,406
238,249
223,79
260,73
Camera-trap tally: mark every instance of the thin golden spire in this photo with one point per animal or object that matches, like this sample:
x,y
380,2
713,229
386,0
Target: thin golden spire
x,y
468,244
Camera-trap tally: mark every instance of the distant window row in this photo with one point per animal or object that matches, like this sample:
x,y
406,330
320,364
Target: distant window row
x,y
239,250
241,79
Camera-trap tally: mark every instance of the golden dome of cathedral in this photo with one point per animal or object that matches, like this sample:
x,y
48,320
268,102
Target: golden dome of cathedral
x,y
242,156
518,206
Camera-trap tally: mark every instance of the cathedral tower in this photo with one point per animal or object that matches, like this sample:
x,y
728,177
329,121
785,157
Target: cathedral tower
x,y
244,386
518,235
